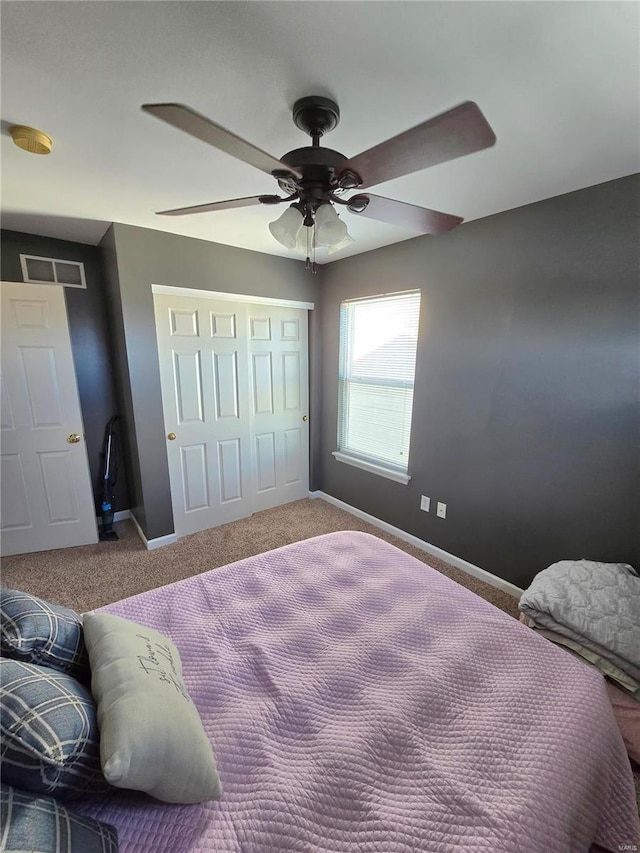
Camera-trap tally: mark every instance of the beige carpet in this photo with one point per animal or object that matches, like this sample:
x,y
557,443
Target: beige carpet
x,y
93,575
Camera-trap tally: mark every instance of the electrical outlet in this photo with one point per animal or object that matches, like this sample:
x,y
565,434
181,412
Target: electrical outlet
x,y
442,510
425,503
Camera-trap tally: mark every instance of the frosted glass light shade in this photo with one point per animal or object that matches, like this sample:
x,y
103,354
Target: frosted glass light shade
x,y
330,229
286,227
337,247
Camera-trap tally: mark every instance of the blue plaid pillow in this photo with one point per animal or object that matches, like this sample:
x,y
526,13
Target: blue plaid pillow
x,y
36,631
50,741
43,825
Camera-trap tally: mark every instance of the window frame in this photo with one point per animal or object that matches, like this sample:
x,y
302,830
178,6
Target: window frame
x,y
371,463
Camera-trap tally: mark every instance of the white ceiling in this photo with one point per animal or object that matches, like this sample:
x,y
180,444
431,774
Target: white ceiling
x,y
558,82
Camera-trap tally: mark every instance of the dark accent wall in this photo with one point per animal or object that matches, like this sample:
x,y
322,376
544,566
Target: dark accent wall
x,y
90,341
526,412
137,258
120,369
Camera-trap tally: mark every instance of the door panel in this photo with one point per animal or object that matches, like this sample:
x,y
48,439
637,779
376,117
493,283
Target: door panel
x,y
41,385
260,328
291,381
223,325
187,379
265,462
184,323
262,381
226,385
230,470
194,477
46,496
292,456
15,512
30,313
290,330
57,476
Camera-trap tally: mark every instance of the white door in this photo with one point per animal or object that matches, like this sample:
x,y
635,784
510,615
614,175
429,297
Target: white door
x,y
46,500
234,391
280,399
203,374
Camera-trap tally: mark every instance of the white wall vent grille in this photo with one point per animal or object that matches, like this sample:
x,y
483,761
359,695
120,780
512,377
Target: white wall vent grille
x,y
37,270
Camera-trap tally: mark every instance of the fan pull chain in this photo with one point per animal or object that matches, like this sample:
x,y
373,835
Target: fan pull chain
x,y
313,265
311,248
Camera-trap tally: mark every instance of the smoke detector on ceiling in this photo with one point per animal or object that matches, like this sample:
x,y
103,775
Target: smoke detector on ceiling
x,y
31,140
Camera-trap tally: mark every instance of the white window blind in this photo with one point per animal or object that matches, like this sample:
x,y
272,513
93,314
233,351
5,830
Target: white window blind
x,y
378,340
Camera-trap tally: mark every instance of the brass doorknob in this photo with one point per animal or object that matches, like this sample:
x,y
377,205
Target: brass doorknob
x,y
172,436
305,417
74,438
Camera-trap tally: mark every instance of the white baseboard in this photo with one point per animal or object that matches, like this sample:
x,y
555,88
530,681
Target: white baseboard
x,y
458,562
161,541
152,544
117,516
149,544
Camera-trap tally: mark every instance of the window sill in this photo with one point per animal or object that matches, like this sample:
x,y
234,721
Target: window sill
x,y
371,467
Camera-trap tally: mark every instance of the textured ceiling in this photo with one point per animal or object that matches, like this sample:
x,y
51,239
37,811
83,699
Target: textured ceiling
x,y
558,81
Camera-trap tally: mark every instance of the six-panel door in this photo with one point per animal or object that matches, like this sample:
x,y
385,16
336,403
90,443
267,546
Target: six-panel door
x,y
278,355
234,388
46,497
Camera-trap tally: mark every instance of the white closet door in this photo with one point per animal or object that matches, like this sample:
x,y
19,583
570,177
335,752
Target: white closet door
x,y
235,396
46,496
203,368
279,398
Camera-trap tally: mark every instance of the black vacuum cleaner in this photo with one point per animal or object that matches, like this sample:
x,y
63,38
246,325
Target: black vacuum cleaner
x,y
110,451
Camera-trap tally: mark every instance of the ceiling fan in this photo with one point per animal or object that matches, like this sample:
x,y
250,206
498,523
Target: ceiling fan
x,y
313,179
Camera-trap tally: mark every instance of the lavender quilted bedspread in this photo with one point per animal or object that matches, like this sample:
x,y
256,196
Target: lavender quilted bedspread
x,y
358,700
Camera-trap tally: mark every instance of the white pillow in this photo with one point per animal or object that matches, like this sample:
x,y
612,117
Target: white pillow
x,y
151,735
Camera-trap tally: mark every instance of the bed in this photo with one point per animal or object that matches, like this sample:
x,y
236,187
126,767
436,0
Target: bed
x,y
358,700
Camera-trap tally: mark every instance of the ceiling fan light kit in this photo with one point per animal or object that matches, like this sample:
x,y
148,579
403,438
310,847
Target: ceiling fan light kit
x,y
314,178
298,233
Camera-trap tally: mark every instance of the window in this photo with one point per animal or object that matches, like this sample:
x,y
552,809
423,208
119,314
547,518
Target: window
x,y
378,339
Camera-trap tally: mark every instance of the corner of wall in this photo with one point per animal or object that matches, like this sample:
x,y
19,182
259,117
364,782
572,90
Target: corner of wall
x,y
122,378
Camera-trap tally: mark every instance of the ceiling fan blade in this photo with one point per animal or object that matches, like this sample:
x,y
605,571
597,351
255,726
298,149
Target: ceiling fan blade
x,y
407,215
218,205
184,118
459,131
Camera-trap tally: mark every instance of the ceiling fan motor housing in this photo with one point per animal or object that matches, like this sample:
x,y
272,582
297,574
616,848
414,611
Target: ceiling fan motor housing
x,y
316,115
320,169
324,171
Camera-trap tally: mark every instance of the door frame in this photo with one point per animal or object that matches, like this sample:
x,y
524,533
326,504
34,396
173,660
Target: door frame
x,y
171,290
226,296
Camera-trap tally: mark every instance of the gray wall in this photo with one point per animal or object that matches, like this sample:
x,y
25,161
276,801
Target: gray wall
x,y
526,405
136,258
90,341
526,409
